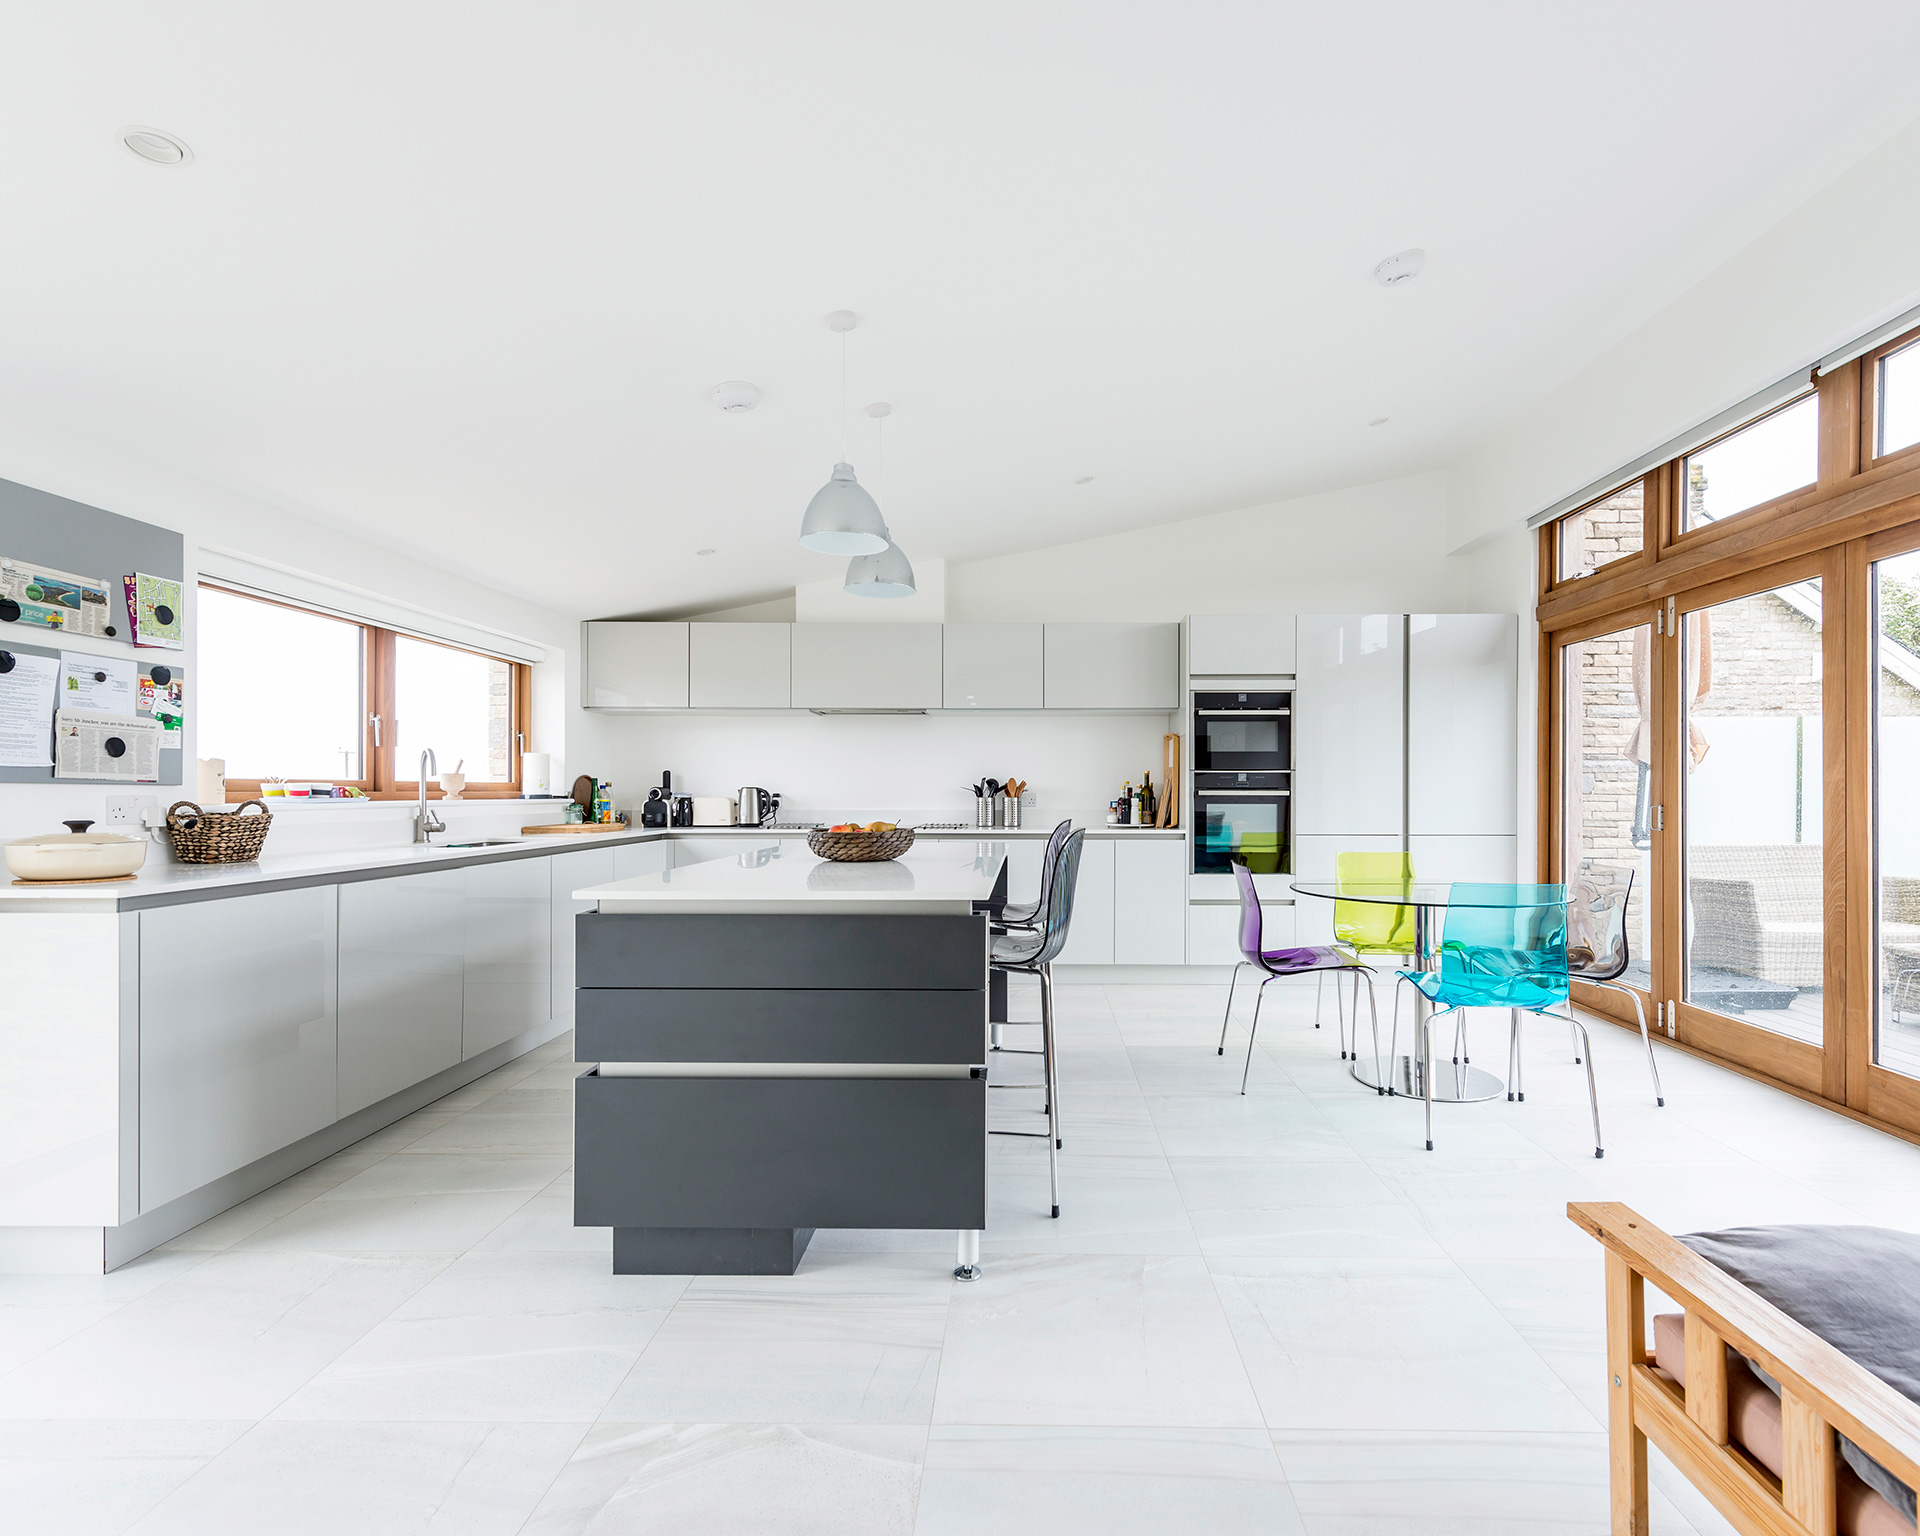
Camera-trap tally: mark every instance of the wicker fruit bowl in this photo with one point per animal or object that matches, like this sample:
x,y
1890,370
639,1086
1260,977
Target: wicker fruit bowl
x,y
861,847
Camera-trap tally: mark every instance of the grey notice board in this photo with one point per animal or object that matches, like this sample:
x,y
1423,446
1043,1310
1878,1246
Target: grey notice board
x,y
72,536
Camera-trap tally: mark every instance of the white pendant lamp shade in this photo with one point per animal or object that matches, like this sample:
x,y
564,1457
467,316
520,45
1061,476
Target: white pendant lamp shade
x,y
842,519
887,574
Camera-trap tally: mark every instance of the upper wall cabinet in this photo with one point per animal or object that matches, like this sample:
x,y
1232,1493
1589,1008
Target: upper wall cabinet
x,y
1348,727
1113,666
994,666
866,666
1240,644
1463,724
632,665
740,666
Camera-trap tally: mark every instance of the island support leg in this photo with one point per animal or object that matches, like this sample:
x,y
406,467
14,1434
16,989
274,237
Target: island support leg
x,y
969,1266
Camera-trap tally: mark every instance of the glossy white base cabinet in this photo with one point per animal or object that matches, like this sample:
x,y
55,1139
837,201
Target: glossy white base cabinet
x,y
1090,936
1213,930
509,952
1150,902
237,1033
402,982
576,871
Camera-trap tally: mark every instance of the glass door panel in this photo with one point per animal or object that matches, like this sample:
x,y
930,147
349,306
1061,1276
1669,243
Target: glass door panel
x,y
1606,814
1896,811
1754,879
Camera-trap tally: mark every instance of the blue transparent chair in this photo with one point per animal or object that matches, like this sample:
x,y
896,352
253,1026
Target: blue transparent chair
x,y
1275,963
1503,946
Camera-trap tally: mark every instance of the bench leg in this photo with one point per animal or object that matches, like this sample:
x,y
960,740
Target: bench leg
x,y
1627,1446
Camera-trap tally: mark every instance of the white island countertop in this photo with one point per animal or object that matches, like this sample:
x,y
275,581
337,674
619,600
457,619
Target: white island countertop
x,y
930,878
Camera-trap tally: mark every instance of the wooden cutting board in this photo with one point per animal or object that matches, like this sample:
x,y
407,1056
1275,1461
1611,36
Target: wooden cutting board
x,y
587,828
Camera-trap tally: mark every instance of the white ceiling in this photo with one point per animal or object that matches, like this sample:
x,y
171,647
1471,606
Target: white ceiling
x,y
459,276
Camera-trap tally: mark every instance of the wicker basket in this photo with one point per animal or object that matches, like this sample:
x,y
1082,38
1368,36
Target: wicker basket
x,y
861,847
216,837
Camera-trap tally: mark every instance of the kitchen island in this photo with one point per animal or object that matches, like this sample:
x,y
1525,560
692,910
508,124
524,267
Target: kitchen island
x,y
781,1043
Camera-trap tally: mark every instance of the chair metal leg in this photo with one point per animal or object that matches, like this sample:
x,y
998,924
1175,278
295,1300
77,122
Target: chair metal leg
x,y
1232,982
1426,1079
1593,1093
1640,1013
1519,1060
1513,1049
1393,1037
1053,1093
1343,1017
1574,1040
1258,998
1373,1008
1320,997
1053,1055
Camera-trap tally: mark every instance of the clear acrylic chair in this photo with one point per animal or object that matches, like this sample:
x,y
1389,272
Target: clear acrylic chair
x,y
1367,928
1503,946
1597,945
1031,914
1033,954
1276,963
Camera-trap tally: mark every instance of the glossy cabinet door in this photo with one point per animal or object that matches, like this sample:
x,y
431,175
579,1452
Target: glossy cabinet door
x,y
866,666
1318,858
631,860
1113,666
633,665
1240,644
402,982
1492,859
993,666
1150,902
238,1033
575,871
509,952
1213,937
1348,727
1463,724
1090,936
740,666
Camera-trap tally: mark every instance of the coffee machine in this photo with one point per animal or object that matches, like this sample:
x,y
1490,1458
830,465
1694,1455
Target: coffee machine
x,y
658,811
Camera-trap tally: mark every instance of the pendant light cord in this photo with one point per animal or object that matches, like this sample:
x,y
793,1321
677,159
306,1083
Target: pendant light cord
x,y
843,397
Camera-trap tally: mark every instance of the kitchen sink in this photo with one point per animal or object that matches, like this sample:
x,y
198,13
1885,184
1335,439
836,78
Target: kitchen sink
x,y
482,842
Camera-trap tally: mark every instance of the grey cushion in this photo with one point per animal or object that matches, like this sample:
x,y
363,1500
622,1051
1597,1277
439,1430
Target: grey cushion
x,y
1856,1287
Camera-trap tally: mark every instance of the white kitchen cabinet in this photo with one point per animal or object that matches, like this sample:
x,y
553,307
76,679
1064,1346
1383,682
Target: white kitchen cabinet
x,y
993,666
740,666
1113,666
866,666
238,1033
1024,857
1213,931
1150,901
402,982
1495,860
632,860
1240,644
1348,726
570,872
1318,858
508,972
1463,724
633,665
1090,936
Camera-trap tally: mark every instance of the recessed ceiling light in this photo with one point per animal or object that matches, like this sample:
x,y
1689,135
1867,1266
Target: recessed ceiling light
x,y
703,551
1084,480
156,146
736,395
1378,421
879,409
1399,267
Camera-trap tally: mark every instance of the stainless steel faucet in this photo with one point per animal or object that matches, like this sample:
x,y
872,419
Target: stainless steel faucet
x,y
425,823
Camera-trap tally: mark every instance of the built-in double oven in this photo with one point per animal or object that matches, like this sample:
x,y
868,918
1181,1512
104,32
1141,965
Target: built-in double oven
x,y
1243,780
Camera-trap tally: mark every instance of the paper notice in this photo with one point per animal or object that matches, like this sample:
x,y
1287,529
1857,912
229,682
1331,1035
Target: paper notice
x,y
153,603
56,599
163,695
100,685
26,712
88,746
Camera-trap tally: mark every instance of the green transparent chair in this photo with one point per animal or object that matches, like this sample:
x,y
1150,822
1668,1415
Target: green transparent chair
x,y
1365,928
1504,946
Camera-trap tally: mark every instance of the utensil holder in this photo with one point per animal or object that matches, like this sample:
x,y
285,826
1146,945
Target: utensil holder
x,y
998,804
982,812
1012,813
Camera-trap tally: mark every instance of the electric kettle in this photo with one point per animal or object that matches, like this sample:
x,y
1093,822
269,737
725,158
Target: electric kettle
x,y
757,806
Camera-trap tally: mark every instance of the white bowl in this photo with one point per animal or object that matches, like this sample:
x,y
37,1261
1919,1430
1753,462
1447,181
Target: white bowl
x,y
75,856
451,784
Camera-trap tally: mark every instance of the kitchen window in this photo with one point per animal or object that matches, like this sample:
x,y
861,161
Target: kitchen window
x,y
1755,464
1603,531
286,692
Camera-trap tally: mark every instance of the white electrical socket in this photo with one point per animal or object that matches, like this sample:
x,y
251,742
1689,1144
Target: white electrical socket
x,y
1029,799
129,810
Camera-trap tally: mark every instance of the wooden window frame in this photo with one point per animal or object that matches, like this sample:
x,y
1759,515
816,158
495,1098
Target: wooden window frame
x,y
380,779
1553,581
1678,536
1861,508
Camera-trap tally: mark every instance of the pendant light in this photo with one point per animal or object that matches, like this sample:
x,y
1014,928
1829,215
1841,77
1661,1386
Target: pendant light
x,y
842,519
887,573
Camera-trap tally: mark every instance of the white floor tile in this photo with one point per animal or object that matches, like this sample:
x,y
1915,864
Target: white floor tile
x,y
83,1477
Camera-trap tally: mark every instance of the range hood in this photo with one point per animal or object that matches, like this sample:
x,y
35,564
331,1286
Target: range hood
x,y
866,711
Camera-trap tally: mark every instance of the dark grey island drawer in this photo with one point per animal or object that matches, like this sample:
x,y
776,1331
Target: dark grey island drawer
x,y
780,1152
730,1024
751,950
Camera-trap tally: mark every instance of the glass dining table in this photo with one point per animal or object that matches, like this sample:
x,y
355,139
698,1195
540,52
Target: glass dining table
x,y
1454,1082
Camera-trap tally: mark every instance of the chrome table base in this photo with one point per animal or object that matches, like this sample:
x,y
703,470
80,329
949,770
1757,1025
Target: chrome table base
x,y
1452,1083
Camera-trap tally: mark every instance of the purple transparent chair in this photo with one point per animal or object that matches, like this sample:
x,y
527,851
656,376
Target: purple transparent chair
x,y
1275,963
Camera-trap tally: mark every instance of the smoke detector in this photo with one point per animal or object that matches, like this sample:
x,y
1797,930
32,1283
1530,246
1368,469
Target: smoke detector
x,y
156,145
1400,267
736,395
